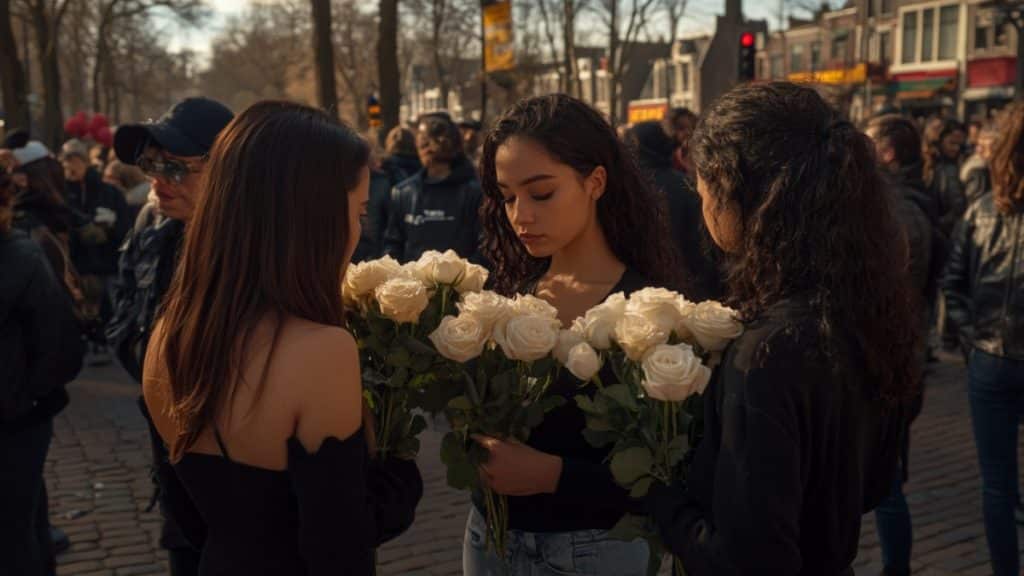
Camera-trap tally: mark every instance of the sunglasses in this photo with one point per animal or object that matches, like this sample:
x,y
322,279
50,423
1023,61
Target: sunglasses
x,y
166,168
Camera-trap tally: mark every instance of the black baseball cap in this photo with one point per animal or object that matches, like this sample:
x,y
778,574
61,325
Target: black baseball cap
x,y
189,128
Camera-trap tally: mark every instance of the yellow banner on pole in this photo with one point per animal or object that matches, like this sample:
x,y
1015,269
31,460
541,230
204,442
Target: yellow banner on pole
x,y
499,44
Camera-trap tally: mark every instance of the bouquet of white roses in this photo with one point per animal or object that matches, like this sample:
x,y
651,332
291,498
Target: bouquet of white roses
x,y
502,349
662,349
392,308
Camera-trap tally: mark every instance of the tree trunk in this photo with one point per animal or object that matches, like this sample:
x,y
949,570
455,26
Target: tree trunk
x,y
99,62
15,91
572,78
323,49
387,67
46,29
613,60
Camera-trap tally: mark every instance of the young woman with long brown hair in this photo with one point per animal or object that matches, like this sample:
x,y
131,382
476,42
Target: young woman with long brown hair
x,y
803,420
251,379
984,288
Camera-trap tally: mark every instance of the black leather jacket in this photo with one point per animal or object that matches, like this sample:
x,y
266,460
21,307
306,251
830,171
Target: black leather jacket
x,y
984,280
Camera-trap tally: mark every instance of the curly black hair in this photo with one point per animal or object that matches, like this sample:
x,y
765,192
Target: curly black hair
x,y
632,215
817,222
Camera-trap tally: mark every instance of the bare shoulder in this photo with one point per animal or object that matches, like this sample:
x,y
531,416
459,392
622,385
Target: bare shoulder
x,y
322,364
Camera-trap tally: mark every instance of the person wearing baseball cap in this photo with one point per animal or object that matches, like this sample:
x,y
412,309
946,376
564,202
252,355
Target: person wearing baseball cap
x,y
172,152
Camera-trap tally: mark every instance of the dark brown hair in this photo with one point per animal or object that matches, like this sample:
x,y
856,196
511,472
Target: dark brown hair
x,y
816,220
901,134
269,236
1007,164
935,130
6,202
632,215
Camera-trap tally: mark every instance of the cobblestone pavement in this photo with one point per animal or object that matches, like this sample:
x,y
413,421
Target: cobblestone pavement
x,y
99,490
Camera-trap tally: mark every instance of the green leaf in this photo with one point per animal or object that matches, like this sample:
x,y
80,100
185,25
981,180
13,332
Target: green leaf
x,y
399,357
676,450
418,425
599,439
629,528
622,395
460,403
588,406
639,490
398,378
631,464
462,475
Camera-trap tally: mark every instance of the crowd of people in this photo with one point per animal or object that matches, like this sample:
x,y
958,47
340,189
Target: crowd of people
x,y
206,250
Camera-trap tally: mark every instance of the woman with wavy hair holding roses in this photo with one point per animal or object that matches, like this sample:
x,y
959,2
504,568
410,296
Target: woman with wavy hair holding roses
x,y
802,422
567,217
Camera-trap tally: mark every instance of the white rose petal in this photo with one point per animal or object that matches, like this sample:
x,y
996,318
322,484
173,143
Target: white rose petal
x,y
473,279
489,308
714,325
583,361
567,340
528,338
598,324
363,278
459,338
672,373
435,267
637,334
528,304
402,299
682,327
657,305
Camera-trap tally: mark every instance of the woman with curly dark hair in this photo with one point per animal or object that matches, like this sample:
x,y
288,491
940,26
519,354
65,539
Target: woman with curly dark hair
x,y
567,216
802,422
984,289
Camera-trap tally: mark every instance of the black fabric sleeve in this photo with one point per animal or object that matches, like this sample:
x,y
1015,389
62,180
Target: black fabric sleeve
x,y
53,337
394,233
593,482
347,504
757,476
956,280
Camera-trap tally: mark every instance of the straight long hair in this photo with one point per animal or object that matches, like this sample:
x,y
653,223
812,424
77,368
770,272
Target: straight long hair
x,y
270,235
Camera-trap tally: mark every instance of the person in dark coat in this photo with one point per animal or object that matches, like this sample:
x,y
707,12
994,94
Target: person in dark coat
x,y
802,421
40,352
898,149
701,257
401,160
436,208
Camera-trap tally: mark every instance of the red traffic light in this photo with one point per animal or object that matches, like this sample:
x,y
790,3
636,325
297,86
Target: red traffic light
x,y
747,40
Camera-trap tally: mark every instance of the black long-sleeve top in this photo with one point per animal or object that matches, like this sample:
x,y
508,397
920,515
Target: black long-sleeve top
x,y
795,451
587,497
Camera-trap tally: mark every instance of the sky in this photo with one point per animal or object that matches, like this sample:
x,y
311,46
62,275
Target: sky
x,y
699,18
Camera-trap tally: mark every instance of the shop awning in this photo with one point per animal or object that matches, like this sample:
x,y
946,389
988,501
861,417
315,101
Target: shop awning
x,y
989,93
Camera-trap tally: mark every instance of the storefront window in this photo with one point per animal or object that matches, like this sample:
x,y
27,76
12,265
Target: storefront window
x,y
885,47
949,17
815,55
980,34
909,54
776,67
839,47
928,35
796,58
685,74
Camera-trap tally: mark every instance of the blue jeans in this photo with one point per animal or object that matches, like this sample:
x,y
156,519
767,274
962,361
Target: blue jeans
x,y
581,553
996,392
895,532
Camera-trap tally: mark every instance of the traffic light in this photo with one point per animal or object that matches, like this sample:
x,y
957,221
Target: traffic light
x,y
748,51
373,112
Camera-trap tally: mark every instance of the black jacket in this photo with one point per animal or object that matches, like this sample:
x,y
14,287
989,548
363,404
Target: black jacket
x,y
371,240
148,259
84,197
40,339
918,214
701,256
984,280
948,194
435,215
795,451
400,167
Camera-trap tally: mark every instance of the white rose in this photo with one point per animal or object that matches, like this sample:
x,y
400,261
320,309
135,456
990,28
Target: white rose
x,y
528,338
473,279
682,327
459,338
567,340
363,278
583,361
435,267
674,373
489,308
657,305
714,325
528,304
598,324
637,334
402,299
